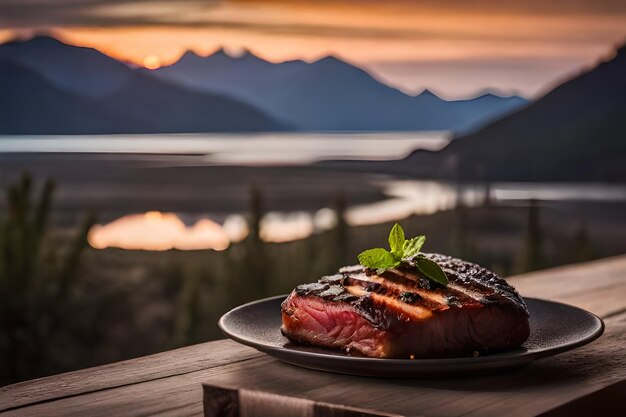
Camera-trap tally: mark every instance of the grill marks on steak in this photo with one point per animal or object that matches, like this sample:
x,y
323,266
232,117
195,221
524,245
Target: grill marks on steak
x,y
401,314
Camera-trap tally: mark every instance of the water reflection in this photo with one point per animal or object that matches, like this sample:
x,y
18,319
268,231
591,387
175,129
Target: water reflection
x,y
285,227
162,231
158,231
405,199
559,192
245,149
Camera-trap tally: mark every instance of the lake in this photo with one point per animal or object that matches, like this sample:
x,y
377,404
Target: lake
x,y
154,230
160,192
241,149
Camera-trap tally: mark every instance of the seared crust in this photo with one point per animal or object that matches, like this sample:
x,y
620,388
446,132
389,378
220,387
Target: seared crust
x,y
400,313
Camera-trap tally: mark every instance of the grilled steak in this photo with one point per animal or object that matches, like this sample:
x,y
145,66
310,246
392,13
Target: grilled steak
x,y
401,314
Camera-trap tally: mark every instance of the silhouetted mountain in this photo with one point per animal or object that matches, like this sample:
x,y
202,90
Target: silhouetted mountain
x,y
330,94
576,132
29,104
476,110
173,109
154,106
85,71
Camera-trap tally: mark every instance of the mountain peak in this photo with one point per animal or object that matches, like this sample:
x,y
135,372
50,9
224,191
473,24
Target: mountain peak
x,y
248,55
221,52
189,54
37,39
492,93
427,93
329,59
488,95
45,37
244,55
495,96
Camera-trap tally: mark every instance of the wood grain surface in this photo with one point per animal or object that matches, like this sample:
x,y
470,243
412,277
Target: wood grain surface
x,y
170,383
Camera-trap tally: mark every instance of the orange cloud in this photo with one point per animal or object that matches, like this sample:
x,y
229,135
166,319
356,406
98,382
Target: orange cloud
x,y
382,36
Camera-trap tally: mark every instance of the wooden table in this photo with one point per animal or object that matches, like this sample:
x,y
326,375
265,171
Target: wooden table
x,y
171,383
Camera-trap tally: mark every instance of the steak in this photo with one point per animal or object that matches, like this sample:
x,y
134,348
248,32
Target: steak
x,y
401,314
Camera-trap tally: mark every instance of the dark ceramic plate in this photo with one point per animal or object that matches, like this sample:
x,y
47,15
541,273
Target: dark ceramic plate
x,y
554,328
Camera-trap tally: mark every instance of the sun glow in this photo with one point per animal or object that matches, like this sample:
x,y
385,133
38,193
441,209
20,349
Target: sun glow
x,y
456,48
158,231
151,62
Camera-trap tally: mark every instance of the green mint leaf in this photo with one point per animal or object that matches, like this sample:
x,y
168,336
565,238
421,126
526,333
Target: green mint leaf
x,y
396,240
403,250
379,271
431,270
377,258
412,246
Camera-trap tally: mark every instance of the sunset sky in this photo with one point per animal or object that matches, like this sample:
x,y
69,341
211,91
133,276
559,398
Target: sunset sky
x,y
456,48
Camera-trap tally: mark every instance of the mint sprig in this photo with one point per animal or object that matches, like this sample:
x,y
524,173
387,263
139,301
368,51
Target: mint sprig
x,y
403,250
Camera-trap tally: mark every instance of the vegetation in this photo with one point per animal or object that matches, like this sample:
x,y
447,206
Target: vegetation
x,y
37,282
66,306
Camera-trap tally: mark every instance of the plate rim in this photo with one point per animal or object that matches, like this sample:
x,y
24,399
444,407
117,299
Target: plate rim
x,y
521,357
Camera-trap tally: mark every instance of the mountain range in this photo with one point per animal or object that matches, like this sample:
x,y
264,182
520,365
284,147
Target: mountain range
x,y
29,104
575,132
55,88
47,81
330,94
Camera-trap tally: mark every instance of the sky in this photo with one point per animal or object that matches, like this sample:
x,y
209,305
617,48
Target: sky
x,y
456,48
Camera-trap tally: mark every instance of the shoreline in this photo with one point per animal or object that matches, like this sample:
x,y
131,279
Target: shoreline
x,y
116,184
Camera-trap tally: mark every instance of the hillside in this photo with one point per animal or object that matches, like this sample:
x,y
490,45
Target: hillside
x,y
168,108
118,98
29,104
330,94
575,132
84,71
